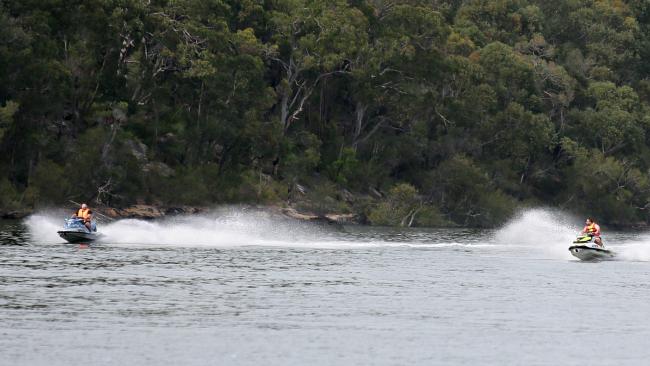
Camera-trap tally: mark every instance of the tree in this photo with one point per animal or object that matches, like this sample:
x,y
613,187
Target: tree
x,y
615,123
313,40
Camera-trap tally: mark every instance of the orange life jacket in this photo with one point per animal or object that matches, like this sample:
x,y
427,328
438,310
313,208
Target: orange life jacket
x,y
84,214
592,228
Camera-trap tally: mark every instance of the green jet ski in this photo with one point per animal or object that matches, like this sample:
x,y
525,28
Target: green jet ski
x,y
585,249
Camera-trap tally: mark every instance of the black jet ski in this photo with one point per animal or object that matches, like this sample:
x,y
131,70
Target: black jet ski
x,y
74,231
585,249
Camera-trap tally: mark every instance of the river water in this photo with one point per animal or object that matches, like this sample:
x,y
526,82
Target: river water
x,y
238,288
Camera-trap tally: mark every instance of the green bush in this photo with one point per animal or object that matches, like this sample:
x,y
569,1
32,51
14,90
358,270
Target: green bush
x,y
9,199
184,188
50,183
257,187
305,156
430,216
399,207
465,192
322,198
608,188
345,167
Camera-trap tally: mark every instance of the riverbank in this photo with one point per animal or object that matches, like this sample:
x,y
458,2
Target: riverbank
x,y
15,214
152,212
156,212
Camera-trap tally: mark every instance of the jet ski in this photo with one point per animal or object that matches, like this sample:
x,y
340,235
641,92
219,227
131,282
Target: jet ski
x,y
74,231
585,249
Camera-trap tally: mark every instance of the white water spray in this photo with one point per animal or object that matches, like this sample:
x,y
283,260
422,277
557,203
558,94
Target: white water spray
x,y
224,227
552,231
542,229
635,250
232,227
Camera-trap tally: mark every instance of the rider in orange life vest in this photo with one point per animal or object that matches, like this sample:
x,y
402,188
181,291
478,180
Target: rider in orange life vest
x,y
592,229
85,214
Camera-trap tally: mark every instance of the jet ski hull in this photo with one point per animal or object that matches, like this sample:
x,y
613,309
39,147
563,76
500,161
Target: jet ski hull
x,y
78,236
590,253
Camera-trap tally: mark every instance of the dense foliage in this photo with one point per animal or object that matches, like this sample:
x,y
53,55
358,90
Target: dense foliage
x,y
413,112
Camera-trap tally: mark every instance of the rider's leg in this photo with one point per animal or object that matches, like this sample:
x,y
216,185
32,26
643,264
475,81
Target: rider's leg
x,y
598,241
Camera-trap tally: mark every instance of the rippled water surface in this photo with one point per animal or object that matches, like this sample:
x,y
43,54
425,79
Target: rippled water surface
x,y
267,293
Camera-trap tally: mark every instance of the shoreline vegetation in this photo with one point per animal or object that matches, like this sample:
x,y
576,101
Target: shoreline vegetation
x,y
406,113
150,212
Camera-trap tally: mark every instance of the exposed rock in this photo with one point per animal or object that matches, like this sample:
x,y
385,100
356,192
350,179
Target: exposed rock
x,y
111,212
346,196
142,212
185,210
159,168
331,218
15,215
217,149
343,218
300,188
148,212
138,150
119,114
375,193
291,212
167,138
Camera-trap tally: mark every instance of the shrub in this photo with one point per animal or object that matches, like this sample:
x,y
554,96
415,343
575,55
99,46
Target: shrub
x,y
399,208
464,191
430,216
344,168
50,183
611,189
322,199
9,199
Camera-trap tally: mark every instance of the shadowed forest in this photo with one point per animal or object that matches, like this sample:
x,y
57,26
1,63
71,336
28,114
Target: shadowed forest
x,y
405,112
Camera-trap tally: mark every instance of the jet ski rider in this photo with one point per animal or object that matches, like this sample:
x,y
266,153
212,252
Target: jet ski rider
x,y
592,229
85,214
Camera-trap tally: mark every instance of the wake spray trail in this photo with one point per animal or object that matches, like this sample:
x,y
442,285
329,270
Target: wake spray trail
x,y
42,227
236,227
637,250
220,228
224,227
547,230
544,231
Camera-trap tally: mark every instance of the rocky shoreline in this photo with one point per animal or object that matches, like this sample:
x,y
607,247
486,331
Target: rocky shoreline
x,y
151,212
14,214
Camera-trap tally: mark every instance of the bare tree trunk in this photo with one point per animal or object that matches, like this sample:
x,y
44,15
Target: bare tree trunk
x,y
321,104
415,212
156,118
408,220
107,146
284,111
198,112
374,129
297,92
359,113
